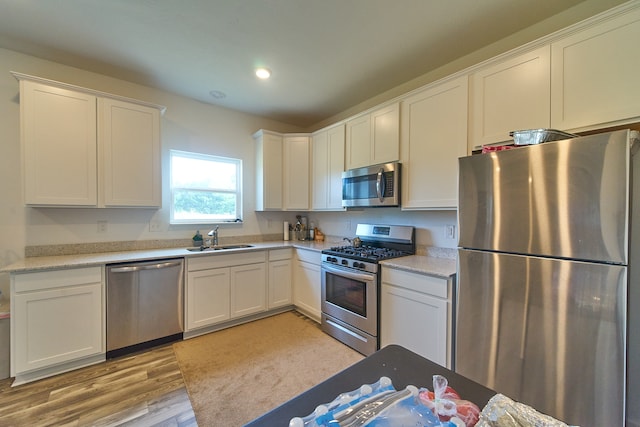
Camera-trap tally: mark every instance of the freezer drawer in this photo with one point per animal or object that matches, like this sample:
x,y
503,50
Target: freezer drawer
x,y
550,333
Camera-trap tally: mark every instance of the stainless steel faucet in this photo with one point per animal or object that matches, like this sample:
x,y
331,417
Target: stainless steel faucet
x,y
214,236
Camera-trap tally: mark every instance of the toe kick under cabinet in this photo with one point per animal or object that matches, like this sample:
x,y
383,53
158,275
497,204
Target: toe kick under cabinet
x,y
57,321
417,313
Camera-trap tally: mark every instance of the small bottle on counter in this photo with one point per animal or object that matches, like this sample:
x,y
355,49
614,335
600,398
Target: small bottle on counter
x,y
312,231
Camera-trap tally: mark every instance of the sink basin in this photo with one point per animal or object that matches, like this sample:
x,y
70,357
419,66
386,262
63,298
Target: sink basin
x,y
235,246
217,248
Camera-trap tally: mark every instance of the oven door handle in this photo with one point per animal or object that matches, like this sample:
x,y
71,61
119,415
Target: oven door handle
x,y
364,277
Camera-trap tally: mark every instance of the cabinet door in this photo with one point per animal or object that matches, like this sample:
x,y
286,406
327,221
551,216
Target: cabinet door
x,y
385,130
358,142
306,292
434,135
593,73
56,325
279,283
208,293
510,95
59,145
248,289
335,167
414,320
327,168
129,147
296,172
319,171
269,172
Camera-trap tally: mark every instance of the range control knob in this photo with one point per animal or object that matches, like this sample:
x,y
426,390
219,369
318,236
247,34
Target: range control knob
x,y
345,262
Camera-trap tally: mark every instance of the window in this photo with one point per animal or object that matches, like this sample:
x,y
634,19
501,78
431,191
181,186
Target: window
x,y
205,189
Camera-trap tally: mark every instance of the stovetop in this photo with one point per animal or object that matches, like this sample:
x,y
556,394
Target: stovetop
x,y
366,253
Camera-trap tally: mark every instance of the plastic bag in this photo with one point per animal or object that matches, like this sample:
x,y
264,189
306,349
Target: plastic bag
x,y
446,403
504,412
372,405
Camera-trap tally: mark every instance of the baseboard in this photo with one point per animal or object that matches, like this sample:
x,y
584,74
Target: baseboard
x,y
235,322
38,374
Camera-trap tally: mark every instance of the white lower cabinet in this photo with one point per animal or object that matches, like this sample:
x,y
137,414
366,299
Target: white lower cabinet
x,y
248,289
57,321
222,287
306,292
416,313
208,297
279,280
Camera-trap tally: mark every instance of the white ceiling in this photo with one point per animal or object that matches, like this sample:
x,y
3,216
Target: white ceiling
x,y
325,55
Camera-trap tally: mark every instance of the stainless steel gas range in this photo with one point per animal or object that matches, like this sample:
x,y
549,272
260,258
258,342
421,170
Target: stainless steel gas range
x,y
351,283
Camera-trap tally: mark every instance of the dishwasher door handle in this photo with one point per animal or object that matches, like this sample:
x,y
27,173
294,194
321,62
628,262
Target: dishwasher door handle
x,y
156,266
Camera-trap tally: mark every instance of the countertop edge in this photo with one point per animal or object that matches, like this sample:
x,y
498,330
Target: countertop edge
x,y
421,264
97,259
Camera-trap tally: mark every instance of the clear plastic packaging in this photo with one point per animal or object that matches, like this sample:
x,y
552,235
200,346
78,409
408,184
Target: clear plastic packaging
x,y
501,411
372,405
538,136
447,404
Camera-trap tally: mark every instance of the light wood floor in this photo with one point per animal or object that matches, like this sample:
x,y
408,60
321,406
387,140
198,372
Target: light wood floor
x,y
144,389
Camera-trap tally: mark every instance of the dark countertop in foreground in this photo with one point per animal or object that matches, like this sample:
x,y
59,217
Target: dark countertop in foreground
x,y
402,366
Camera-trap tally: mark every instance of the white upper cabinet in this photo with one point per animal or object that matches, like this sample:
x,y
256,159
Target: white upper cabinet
x,y
59,148
595,73
269,172
509,94
129,146
83,148
373,138
296,172
434,135
327,165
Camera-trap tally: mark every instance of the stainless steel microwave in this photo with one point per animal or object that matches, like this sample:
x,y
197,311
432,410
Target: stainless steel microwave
x,y
377,185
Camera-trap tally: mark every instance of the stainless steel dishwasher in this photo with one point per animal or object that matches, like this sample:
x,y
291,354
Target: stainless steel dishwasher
x,y
144,305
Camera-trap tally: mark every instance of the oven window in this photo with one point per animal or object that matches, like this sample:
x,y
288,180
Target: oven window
x,y
347,293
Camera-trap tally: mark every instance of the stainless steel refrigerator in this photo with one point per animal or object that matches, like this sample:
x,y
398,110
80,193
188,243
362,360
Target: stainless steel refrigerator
x,y
548,289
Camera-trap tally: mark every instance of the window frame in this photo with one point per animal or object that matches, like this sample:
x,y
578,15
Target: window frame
x,y
209,158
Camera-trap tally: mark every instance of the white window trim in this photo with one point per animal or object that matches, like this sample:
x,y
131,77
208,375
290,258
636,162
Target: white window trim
x,y
206,157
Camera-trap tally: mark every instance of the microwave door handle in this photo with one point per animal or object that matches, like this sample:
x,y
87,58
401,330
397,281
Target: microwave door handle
x,y
380,185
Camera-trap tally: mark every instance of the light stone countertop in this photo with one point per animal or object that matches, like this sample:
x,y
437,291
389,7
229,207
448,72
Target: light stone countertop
x,y
441,267
97,259
424,264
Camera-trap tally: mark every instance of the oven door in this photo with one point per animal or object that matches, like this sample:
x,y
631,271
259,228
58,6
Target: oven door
x,y
351,297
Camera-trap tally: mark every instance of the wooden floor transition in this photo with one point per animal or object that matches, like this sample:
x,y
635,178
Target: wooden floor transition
x,y
144,389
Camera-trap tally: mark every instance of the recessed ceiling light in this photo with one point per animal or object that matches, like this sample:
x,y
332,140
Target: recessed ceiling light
x,y
263,73
217,94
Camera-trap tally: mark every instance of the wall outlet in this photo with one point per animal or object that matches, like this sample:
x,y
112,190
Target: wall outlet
x,y
155,226
450,231
102,226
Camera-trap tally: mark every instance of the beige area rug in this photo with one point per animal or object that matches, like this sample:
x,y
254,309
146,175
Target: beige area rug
x,y
237,374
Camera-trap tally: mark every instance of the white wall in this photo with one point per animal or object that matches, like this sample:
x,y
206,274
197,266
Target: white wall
x,y
186,125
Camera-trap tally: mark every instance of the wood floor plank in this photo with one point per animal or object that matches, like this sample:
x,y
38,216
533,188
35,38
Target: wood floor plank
x,y
141,389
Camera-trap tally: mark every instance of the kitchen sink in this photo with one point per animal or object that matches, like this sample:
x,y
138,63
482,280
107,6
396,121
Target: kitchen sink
x,y
218,248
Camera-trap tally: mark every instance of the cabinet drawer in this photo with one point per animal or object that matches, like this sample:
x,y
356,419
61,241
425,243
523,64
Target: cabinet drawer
x,y
280,254
422,283
309,256
226,260
26,282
